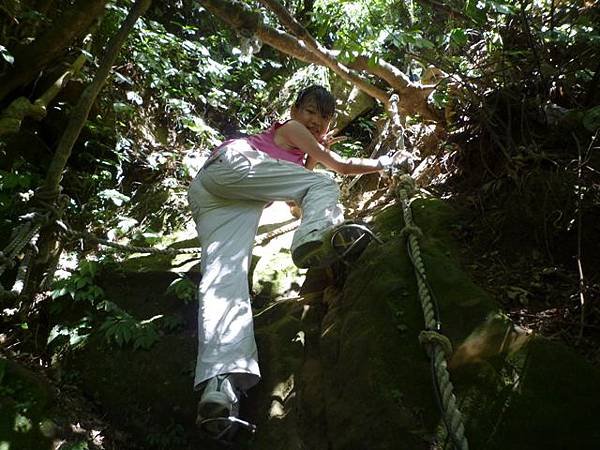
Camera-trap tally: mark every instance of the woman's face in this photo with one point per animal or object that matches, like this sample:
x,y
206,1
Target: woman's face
x,y
308,115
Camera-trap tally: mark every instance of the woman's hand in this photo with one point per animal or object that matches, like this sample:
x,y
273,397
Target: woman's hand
x,y
330,139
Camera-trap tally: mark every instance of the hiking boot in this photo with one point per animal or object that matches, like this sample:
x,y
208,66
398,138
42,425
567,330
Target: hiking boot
x,y
219,403
345,242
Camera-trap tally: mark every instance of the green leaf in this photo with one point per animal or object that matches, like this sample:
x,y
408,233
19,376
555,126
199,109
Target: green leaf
x,y
591,119
114,196
501,8
6,55
421,42
58,292
474,10
81,282
196,124
81,445
120,107
458,37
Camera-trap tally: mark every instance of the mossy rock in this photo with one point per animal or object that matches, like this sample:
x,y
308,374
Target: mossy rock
x,y
147,391
349,373
515,391
276,277
25,401
288,405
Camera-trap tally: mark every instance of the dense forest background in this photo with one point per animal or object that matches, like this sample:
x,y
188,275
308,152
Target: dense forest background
x,y
499,103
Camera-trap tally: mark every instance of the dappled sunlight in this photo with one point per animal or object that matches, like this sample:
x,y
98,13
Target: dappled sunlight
x,y
300,337
497,336
305,310
106,345
281,394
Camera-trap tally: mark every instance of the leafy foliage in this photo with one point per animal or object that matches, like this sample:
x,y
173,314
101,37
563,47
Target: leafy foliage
x,y
183,289
80,285
114,324
122,329
174,435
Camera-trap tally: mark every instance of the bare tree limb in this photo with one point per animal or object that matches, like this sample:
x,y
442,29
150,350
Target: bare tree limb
x,y
413,96
321,53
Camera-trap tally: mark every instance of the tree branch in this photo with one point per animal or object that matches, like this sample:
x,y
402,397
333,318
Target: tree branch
x,y
413,96
34,57
321,53
20,108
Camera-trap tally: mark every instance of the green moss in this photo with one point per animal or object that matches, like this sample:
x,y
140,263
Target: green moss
x,y
275,277
24,405
378,379
351,373
554,401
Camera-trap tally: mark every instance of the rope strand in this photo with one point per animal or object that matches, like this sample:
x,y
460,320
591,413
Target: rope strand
x,y
438,346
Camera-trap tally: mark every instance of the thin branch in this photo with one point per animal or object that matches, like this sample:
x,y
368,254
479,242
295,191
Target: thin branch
x,y
321,53
578,205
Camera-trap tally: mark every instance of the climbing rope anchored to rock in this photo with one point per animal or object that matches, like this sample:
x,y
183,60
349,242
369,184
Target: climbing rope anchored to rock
x,y
437,345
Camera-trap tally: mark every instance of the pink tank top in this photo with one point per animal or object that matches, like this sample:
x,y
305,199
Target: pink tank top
x,y
265,142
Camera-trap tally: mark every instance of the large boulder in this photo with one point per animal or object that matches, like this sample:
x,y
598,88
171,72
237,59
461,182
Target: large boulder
x,y
341,361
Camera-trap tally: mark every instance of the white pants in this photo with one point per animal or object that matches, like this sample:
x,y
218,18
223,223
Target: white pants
x,y
227,198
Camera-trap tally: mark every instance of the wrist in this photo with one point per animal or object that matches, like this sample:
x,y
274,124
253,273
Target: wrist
x,y
383,162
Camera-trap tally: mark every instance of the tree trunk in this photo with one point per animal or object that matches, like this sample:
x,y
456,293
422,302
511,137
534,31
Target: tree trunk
x,y
49,190
32,58
20,108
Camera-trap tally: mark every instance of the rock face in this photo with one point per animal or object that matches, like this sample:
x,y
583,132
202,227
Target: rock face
x,y
25,398
342,365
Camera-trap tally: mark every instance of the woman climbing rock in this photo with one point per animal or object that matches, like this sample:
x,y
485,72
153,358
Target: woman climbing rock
x,y
227,198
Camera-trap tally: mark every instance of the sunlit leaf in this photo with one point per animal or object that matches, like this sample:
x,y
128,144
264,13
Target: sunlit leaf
x,y
114,196
134,97
6,55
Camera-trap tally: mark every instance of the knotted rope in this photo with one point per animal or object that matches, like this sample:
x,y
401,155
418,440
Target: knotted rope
x,y
128,248
437,345
21,237
28,232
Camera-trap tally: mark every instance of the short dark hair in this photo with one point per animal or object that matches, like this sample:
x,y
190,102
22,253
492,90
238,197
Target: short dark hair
x,y
323,98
